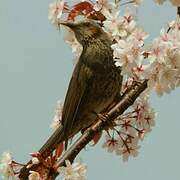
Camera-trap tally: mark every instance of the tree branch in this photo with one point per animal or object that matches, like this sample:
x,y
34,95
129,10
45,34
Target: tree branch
x,y
128,99
131,94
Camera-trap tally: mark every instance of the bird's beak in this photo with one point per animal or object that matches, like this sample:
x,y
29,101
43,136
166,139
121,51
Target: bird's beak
x,y
68,24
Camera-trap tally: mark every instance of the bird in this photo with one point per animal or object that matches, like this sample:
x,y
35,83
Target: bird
x,y
95,82
94,86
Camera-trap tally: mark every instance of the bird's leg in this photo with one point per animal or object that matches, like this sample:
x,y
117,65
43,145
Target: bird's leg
x,y
105,118
102,116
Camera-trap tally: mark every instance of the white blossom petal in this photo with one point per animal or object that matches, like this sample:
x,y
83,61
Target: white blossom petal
x,y
5,168
75,171
34,176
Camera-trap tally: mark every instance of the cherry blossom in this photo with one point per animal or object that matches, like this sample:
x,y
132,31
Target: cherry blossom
x,y
110,143
123,55
130,20
114,24
173,56
145,115
35,160
5,166
124,146
130,149
55,12
101,4
129,53
75,171
57,116
164,71
140,35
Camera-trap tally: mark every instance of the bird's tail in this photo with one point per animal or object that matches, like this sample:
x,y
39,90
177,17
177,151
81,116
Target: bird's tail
x,y
56,138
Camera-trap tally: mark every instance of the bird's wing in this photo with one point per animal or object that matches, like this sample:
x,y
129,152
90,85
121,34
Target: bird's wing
x,y
76,91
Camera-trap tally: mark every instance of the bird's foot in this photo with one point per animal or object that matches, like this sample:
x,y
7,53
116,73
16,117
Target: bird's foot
x,y
103,117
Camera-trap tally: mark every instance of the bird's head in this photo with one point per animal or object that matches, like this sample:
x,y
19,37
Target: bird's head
x,y
85,31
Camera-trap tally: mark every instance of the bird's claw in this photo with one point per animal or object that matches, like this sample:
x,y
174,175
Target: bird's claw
x,y
103,117
106,118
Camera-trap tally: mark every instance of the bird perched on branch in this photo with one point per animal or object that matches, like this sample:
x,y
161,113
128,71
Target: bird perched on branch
x,y
94,86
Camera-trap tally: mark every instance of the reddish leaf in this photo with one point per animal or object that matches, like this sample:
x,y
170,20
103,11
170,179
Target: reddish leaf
x,y
97,138
86,9
59,150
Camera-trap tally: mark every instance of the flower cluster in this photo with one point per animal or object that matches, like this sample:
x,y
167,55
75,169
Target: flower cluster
x,y
55,12
5,166
164,71
130,128
129,41
10,169
128,53
116,25
124,146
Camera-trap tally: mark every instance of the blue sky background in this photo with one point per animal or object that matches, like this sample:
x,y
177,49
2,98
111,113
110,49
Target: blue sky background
x,y
35,67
